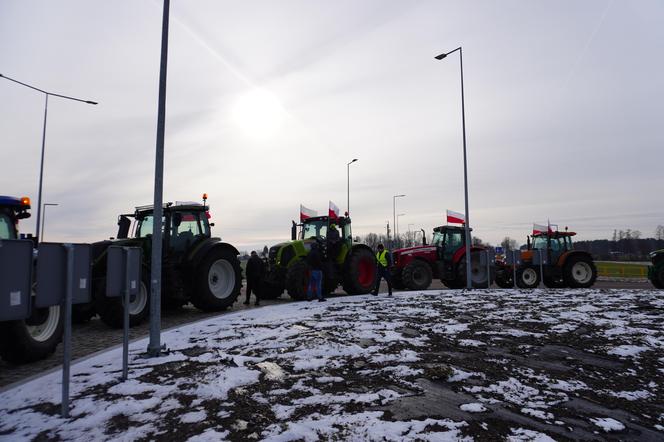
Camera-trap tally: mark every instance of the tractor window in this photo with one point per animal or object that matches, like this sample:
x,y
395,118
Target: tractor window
x,y
454,240
186,227
7,229
437,239
347,234
315,229
568,243
557,244
145,226
539,242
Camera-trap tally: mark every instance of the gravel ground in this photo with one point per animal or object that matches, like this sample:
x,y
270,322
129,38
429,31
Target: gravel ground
x,y
438,365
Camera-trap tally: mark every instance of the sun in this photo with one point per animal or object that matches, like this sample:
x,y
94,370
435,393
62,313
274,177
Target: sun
x,y
259,113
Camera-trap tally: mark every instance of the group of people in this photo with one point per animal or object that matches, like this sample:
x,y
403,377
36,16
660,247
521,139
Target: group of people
x,y
315,261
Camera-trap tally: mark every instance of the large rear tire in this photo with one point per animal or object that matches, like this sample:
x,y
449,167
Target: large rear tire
x,y
504,279
417,275
527,277
111,310
397,282
360,274
219,281
297,280
579,272
34,338
478,272
658,277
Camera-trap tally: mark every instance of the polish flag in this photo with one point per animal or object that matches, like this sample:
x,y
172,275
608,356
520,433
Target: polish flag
x,y
539,229
306,213
455,217
333,212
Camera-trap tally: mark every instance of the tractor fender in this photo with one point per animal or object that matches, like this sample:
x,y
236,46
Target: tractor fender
x,y
461,252
565,256
200,252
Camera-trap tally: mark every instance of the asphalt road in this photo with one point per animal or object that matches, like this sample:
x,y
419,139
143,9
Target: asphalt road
x,y
95,336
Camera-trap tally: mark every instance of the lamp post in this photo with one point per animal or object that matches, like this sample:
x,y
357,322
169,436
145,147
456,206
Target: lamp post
x,y
348,185
394,214
43,221
465,166
41,167
397,228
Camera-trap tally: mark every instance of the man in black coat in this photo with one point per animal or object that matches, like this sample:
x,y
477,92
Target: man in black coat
x,y
255,271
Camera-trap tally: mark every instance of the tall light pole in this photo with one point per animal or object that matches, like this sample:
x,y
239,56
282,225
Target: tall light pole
x,y
348,185
154,345
397,226
394,214
41,167
43,221
465,166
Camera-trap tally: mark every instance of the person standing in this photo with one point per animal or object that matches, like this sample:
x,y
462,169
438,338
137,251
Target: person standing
x,y
255,271
315,263
383,262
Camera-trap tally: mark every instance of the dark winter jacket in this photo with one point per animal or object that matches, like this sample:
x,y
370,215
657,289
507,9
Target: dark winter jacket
x,y
254,269
314,258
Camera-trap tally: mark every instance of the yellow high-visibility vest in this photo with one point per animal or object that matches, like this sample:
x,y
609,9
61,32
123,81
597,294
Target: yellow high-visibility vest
x,y
381,257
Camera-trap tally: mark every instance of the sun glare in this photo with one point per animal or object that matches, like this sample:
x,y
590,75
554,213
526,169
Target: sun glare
x,y
258,113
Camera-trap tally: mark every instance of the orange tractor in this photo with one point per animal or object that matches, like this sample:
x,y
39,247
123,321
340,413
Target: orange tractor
x,y
561,265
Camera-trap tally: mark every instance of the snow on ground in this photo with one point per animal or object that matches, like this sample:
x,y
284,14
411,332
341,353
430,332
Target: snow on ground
x,y
438,365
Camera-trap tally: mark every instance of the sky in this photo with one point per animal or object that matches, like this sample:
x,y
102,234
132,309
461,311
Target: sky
x,y
268,101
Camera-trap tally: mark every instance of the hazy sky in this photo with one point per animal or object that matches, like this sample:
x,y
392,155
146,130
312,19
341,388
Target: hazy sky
x,y
267,101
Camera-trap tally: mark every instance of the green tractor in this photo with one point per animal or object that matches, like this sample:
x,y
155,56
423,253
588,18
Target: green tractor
x,y
346,263
656,270
196,267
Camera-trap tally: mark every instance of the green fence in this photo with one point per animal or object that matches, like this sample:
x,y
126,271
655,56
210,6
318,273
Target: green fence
x,y
621,270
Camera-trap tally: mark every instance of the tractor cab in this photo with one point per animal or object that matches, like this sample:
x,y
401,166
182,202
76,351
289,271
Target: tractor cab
x,y
11,211
553,243
318,229
448,240
184,224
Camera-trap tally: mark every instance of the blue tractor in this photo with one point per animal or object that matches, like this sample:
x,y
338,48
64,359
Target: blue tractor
x,y
37,336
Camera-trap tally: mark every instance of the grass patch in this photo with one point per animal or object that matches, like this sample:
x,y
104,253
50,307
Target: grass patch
x,y
621,270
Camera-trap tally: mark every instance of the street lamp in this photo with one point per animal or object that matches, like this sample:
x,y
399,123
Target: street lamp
x,y
43,221
397,227
465,166
41,167
348,185
394,214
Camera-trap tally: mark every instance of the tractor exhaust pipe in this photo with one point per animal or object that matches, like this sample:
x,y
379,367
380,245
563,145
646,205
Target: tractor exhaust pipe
x,y
293,231
424,238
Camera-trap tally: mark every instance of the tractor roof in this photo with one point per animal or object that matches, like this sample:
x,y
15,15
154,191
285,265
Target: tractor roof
x,y
441,229
323,218
553,234
170,207
10,201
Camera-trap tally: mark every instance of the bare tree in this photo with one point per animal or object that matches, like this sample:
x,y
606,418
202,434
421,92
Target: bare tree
x,y
659,232
508,243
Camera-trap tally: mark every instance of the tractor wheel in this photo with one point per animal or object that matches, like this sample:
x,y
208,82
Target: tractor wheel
x,y
219,281
111,310
527,277
658,277
478,272
82,313
417,275
397,282
270,291
34,338
579,272
297,280
504,280
360,277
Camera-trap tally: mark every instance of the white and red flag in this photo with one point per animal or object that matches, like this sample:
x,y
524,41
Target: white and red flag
x,y
539,229
333,212
455,217
306,213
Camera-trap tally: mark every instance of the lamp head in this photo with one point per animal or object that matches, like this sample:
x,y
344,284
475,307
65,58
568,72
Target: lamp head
x,y
441,56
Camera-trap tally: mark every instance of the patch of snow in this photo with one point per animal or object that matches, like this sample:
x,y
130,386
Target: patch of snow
x,y
627,350
473,407
540,414
608,424
193,416
523,435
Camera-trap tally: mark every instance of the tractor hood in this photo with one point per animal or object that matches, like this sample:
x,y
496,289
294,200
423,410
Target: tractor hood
x,y
416,249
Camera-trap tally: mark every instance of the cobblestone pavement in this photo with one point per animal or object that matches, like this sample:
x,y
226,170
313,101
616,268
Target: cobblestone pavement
x,y
96,336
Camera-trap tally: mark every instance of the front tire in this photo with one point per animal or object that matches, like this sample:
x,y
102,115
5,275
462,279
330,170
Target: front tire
x,y
504,280
417,275
478,272
360,274
111,310
34,338
527,278
297,280
219,281
579,272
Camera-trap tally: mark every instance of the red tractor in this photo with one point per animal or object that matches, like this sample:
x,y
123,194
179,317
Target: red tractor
x,y
444,259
